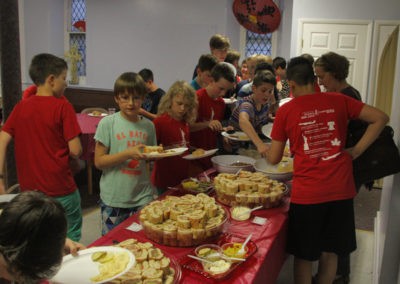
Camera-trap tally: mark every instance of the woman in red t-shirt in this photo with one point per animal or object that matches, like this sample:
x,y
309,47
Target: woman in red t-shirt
x,y
177,108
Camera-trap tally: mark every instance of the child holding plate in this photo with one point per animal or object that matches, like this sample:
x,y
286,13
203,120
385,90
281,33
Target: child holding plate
x,y
125,184
176,110
251,113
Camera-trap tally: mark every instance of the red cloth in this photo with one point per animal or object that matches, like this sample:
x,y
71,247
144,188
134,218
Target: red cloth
x,y
170,133
41,127
30,91
263,267
316,127
88,125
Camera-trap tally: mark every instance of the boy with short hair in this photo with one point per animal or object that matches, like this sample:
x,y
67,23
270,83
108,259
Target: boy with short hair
x,y
211,109
125,185
219,46
153,96
321,215
204,66
279,64
47,123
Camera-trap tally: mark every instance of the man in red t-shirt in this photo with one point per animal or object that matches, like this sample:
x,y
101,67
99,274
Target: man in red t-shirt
x,y
321,215
204,132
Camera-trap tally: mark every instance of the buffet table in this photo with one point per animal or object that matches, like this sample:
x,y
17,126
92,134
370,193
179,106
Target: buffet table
x,y
262,267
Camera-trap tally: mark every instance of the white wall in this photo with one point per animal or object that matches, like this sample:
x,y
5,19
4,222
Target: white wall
x,y
166,36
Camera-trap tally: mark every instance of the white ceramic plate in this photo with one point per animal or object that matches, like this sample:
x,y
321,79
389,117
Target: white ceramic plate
x,y
169,153
206,154
102,114
229,101
266,130
237,136
79,269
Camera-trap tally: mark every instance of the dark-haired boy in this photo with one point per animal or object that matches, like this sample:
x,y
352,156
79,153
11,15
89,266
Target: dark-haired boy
x,y
153,96
204,66
321,216
46,135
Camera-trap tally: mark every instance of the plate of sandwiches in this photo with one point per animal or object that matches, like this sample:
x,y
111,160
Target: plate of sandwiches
x,y
161,152
200,153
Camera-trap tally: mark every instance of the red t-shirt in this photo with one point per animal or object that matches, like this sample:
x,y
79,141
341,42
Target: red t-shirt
x,y
41,128
209,109
316,127
170,132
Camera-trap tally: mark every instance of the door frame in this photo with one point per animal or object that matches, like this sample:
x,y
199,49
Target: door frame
x,y
367,23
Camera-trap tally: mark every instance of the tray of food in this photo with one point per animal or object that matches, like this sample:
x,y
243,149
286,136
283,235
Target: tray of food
x,y
161,152
151,263
183,221
219,259
249,189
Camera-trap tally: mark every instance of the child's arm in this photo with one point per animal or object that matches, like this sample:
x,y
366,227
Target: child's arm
x,y
275,152
377,120
75,147
214,125
247,127
5,139
147,114
104,160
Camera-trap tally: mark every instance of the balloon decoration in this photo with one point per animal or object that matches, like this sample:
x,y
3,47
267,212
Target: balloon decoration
x,y
258,16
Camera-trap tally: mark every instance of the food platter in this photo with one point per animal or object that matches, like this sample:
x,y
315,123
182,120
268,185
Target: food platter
x,y
197,266
79,269
195,157
237,136
167,153
98,115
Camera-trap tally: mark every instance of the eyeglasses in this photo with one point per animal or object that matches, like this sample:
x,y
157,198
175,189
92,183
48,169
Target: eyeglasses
x,y
128,98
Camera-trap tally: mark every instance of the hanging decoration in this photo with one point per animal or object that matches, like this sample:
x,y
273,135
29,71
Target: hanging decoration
x,y
74,57
258,16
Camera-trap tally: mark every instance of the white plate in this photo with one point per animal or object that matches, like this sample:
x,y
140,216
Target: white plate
x,y
229,101
79,269
206,154
237,136
284,101
170,153
101,115
266,130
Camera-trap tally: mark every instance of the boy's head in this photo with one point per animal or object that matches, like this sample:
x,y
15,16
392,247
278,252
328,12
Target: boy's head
x,y
219,46
264,77
148,78
33,229
223,79
254,60
279,64
44,65
309,57
264,86
233,58
204,66
300,73
335,64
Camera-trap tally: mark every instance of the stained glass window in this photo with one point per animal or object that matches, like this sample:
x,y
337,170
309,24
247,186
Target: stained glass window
x,y
258,44
77,34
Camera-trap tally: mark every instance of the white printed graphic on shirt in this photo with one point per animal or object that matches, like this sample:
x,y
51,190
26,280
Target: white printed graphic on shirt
x,y
319,134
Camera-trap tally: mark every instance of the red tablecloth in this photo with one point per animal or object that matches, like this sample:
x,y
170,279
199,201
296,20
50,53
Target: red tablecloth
x,y
263,267
88,126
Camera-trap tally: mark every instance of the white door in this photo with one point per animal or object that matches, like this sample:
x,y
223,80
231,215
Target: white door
x,y
348,38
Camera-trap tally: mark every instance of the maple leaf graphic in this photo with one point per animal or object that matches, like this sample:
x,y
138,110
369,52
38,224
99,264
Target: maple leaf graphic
x,y
335,142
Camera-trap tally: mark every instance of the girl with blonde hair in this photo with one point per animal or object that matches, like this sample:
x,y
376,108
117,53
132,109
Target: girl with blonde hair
x,y
177,108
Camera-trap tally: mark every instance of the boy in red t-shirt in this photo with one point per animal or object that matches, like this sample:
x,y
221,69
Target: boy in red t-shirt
x,y
321,216
204,132
46,135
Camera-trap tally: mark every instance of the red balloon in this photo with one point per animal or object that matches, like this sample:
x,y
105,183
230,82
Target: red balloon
x,y
258,16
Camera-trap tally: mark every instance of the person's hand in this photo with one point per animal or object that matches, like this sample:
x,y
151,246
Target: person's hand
x,y
136,152
72,247
353,152
263,149
215,125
